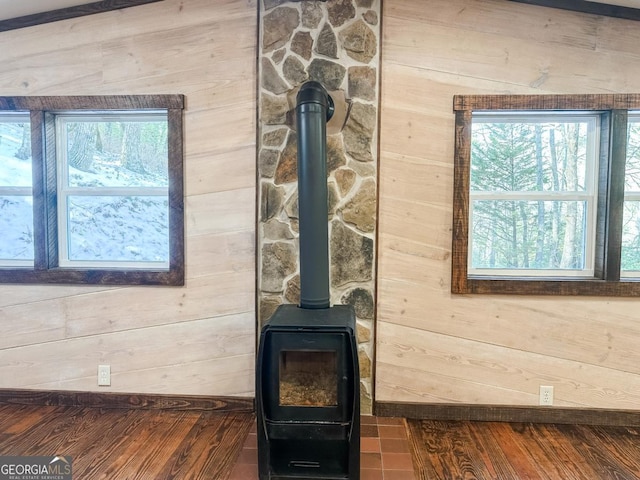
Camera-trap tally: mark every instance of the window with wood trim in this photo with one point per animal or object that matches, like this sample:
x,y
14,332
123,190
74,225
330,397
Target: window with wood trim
x,y
91,190
547,195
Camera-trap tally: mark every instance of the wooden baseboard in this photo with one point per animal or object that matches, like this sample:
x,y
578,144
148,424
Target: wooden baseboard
x,y
504,413
61,398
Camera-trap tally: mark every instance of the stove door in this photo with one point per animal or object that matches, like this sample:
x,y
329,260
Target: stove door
x,y
307,376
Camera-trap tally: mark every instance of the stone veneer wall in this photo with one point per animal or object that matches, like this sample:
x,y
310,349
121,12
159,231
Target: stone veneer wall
x,y
335,42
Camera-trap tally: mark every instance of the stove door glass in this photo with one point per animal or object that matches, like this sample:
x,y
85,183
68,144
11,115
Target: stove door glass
x,y
308,378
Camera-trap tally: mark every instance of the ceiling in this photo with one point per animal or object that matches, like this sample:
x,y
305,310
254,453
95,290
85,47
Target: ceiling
x,y
14,9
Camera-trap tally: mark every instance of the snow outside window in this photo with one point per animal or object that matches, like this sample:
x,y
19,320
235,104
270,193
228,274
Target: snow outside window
x,y
113,189
16,199
92,190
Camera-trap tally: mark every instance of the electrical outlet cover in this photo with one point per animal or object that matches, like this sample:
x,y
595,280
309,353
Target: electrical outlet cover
x,y
104,375
546,395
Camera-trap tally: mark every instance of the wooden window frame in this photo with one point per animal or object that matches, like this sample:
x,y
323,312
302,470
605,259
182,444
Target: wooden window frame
x,y
92,8
586,6
45,269
606,281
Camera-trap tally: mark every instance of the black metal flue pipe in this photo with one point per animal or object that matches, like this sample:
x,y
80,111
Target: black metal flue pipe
x,y
314,108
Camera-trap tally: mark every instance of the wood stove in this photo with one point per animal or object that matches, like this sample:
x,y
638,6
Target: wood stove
x,y
307,376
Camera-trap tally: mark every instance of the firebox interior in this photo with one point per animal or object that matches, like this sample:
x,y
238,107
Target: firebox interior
x,y
308,378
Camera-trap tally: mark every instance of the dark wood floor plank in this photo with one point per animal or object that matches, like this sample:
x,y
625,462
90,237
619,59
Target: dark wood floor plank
x,y
168,442
523,451
516,453
622,443
492,454
527,435
561,451
210,449
454,450
131,444
78,423
19,419
92,457
434,444
417,444
606,466
23,443
156,434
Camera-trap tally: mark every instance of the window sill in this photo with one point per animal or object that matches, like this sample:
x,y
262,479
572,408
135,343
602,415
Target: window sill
x,y
547,286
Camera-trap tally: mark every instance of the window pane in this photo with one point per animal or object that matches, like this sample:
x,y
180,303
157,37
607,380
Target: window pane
x,y
630,251
16,228
16,202
529,155
15,152
115,153
632,173
118,228
534,235
631,236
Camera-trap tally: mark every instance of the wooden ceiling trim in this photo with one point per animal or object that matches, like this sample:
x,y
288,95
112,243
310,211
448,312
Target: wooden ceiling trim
x,y
69,12
584,6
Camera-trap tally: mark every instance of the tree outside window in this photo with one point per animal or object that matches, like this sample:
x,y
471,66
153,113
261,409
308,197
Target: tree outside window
x,y
91,190
547,195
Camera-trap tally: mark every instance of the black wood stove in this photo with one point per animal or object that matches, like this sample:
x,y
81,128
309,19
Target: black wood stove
x,y
307,376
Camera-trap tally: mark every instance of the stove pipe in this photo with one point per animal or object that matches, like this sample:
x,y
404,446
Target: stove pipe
x,y
314,109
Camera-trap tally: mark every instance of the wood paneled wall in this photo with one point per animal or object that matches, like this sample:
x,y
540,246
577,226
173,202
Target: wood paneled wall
x,y
479,349
432,346
194,340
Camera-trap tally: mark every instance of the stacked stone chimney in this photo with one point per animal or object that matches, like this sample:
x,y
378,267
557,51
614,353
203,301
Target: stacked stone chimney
x,y
335,42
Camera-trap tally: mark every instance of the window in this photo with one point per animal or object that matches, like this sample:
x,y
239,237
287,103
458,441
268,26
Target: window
x,y
630,262
547,195
91,190
16,199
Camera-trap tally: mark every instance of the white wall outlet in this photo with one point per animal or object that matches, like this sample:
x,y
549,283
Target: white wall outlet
x,y
104,375
546,395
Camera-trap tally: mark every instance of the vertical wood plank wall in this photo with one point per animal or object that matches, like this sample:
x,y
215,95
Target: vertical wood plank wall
x,y
198,339
432,346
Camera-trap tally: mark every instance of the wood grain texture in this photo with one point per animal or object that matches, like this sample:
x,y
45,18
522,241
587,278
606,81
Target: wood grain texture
x,y
594,8
628,101
444,450
69,12
63,398
501,413
435,347
198,339
128,443
89,102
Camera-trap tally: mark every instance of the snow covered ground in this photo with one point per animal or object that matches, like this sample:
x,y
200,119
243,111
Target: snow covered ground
x,y
101,228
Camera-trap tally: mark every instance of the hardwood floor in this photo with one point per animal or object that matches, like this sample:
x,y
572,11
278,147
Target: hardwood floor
x,y
522,451
128,444
138,444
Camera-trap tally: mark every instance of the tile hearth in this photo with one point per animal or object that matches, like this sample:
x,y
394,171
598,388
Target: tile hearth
x,y
384,452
